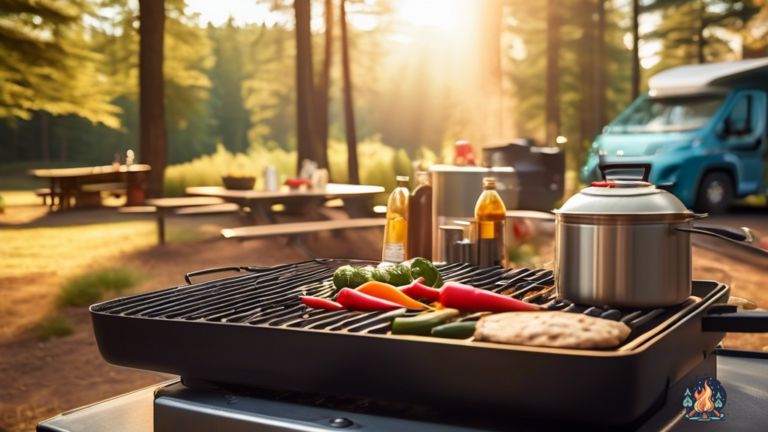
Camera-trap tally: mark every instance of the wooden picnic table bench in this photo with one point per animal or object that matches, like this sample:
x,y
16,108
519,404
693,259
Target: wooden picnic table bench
x,y
206,205
295,230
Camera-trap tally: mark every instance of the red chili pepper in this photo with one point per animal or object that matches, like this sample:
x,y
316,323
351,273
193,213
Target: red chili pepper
x,y
418,291
470,299
321,303
357,301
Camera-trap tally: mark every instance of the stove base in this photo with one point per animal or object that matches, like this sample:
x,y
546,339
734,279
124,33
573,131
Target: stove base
x,y
197,405
171,407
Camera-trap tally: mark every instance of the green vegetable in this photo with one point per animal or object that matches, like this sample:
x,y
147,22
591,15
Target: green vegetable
x,y
421,267
424,323
457,330
397,275
351,277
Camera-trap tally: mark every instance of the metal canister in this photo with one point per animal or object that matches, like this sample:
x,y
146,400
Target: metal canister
x,y
271,181
449,236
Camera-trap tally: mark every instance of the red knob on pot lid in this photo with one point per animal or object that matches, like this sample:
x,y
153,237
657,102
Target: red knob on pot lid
x,y
623,197
604,183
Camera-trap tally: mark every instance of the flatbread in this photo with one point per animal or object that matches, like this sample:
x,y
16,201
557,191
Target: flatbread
x,y
551,329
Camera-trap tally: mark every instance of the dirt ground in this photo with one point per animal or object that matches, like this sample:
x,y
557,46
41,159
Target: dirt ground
x,y
38,252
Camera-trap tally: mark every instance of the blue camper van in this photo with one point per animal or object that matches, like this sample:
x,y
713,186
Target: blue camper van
x,y
701,127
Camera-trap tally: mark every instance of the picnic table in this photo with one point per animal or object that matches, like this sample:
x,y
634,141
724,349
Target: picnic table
x,y
66,182
164,204
356,198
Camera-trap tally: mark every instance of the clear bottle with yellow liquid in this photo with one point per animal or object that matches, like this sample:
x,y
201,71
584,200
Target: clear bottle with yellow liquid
x,y
490,215
396,231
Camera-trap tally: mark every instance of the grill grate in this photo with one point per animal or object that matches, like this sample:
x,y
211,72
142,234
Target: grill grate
x,y
269,296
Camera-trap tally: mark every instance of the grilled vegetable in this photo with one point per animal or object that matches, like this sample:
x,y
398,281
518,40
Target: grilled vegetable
x,y
424,323
389,293
457,330
396,275
418,291
421,267
321,303
470,299
357,301
351,277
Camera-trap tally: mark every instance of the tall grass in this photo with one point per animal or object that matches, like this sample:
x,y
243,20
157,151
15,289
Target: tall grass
x,y
90,288
55,326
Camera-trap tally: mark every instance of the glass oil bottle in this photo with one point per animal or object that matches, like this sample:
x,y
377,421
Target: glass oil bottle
x,y
490,215
396,230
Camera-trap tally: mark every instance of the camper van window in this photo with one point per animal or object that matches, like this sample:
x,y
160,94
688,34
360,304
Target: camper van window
x,y
739,119
668,114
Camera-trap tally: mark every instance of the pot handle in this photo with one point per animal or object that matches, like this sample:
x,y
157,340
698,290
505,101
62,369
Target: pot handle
x,y
731,233
724,318
646,167
742,237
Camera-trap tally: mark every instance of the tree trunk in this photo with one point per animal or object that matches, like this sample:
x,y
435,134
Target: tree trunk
x,y
490,66
307,139
635,49
700,29
553,76
325,82
349,114
600,70
63,142
154,149
44,135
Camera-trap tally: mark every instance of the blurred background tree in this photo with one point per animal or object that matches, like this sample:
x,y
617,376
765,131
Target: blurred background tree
x,y
425,73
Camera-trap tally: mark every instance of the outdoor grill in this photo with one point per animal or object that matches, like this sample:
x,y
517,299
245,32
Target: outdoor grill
x,y
251,331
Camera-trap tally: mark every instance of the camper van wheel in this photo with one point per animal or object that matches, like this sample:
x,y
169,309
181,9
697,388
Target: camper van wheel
x,y
715,193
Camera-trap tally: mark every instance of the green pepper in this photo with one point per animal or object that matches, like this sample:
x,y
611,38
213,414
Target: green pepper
x,y
396,275
351,277
456,330
424,323
421,267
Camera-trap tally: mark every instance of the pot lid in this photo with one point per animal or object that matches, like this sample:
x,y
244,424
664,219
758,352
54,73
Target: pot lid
x,y
623,197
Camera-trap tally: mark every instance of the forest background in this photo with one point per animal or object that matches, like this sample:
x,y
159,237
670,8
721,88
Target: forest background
x,y
424,74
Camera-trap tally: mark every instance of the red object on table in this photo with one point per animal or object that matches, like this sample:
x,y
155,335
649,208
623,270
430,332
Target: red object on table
x,y
470,299
296,182
464,154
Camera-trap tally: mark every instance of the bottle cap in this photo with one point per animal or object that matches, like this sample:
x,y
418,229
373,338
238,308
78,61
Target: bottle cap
x,y
489,183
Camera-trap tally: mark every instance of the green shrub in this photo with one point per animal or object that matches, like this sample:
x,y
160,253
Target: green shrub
x,y
89,288
55,326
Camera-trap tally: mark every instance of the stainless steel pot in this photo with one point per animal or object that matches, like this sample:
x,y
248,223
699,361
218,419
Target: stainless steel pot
x,y
627,244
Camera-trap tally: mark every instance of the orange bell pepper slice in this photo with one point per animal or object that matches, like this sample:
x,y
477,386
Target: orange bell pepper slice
x,y
389,293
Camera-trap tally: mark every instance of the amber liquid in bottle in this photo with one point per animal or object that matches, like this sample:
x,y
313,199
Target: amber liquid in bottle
x,y
490,215
396,231
420,219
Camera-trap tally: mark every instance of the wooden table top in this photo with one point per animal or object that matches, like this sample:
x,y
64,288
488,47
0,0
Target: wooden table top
x,y
87,171
184,202
332,190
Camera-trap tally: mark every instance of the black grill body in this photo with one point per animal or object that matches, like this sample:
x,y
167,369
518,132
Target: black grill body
x,y
251,330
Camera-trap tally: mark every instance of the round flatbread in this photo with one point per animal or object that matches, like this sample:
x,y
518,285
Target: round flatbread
x,y
551,329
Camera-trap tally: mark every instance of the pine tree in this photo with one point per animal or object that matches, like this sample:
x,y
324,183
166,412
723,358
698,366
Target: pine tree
x,y
46,64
